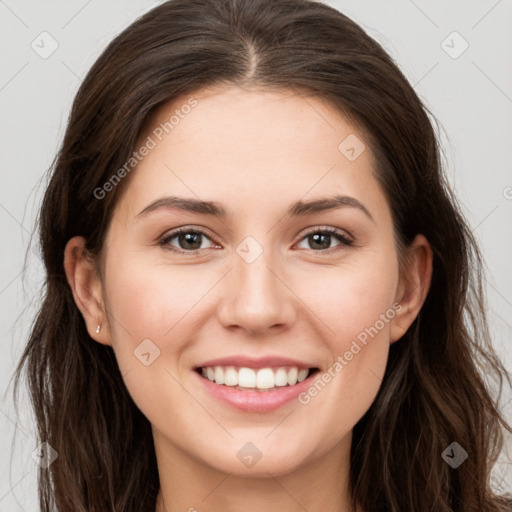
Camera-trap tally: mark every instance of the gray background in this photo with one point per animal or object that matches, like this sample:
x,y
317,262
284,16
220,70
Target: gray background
x,y
470,93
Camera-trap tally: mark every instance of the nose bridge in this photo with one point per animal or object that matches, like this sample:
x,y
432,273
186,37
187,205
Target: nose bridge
x,y
256,298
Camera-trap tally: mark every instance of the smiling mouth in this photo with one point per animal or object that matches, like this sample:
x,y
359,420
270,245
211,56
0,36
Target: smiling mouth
x,y
261,379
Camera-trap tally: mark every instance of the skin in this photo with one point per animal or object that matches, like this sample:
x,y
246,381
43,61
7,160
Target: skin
x,y
291,301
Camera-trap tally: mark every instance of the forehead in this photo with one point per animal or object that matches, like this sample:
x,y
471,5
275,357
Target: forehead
x,y
250,149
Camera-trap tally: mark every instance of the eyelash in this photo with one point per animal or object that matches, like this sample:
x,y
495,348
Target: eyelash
x,y
345,240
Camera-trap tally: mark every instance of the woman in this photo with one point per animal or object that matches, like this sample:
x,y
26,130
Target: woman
x,y
318,346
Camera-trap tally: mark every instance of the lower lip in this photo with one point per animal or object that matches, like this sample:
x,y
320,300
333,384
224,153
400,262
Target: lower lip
x,y
255,401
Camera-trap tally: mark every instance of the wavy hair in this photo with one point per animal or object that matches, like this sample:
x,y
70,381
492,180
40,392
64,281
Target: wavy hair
x,y
435,389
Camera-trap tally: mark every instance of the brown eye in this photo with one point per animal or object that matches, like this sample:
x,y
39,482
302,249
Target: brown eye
x,y
189,240
320,240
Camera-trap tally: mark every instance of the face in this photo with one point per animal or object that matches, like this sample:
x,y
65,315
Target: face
x,y
269,292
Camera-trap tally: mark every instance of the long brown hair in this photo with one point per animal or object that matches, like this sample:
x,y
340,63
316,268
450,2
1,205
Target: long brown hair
x,y
434,391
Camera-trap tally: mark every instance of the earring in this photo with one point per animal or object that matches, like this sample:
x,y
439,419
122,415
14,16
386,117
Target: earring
x,y
98,329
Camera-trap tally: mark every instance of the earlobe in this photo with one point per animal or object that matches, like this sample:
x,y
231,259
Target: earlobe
x,y
85,285
414,286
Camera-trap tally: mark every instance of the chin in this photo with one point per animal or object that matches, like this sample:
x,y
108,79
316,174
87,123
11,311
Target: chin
x,y
254,460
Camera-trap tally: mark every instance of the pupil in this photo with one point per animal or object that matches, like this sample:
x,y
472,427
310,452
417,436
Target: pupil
x,y
319,235
189,238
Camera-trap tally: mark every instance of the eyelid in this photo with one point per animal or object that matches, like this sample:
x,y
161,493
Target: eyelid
x,y
329,229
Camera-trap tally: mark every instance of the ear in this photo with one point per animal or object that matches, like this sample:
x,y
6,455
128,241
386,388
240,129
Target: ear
x,y
413,286
85,284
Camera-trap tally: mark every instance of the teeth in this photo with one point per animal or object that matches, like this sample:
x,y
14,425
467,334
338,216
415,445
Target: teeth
x,y
293,374
219,375
230,376
247,378
302,374
281,377
265,379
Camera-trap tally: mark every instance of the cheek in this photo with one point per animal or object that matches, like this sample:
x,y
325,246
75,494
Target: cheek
x,y
148,300
339,397
356,297
149,309
358,304
343,392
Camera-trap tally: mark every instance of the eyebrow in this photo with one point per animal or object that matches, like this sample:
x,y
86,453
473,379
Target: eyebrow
x,y
296,209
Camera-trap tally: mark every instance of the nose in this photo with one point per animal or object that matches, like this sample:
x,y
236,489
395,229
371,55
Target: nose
x,y
256,297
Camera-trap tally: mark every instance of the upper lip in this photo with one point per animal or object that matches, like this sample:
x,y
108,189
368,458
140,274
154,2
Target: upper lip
x,y
252,362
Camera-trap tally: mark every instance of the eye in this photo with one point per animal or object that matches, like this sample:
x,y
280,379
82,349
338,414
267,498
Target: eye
x,y
189,240
321,239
